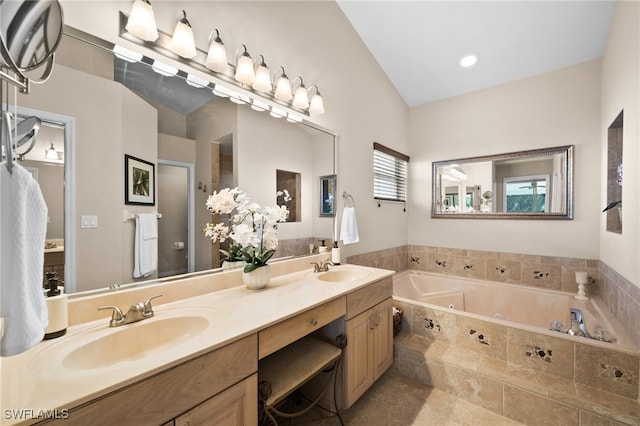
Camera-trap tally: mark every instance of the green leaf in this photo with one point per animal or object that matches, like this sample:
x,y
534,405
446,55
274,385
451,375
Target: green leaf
x,y
250,267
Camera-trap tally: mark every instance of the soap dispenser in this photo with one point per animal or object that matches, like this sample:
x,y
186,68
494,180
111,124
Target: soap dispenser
x,y
322,248
57,307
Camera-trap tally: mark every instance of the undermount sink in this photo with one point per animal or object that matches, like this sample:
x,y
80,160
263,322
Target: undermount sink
x,y
343,275
134,341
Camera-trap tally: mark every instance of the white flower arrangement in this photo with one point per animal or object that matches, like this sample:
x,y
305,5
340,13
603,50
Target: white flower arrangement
x,y
252,228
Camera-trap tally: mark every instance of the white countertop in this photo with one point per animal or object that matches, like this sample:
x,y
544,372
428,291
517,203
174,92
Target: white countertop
x,y
31,380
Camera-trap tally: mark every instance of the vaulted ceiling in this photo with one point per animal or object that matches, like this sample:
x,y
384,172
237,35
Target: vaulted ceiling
x,y
418,44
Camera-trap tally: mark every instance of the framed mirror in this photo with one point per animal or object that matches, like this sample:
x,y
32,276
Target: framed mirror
x,y
535,184
328,195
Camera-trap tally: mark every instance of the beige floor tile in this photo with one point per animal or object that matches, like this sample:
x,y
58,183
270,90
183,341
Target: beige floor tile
x,y
395,400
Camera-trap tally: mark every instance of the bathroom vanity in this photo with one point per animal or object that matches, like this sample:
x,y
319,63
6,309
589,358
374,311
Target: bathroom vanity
x,y
200,357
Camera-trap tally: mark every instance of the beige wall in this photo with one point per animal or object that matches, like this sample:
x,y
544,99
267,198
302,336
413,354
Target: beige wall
x,y
312,39
621,91
552,109
206,125
51,180
259,154
104,255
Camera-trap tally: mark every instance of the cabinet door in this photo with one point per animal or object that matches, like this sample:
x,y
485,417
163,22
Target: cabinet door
x,y
359,356
237,406
383,338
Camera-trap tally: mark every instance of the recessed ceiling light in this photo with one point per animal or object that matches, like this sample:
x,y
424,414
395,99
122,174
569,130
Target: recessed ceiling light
x,y
469,60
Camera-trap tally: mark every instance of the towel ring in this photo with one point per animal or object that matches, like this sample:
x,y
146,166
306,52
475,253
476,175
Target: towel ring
x,y
7,139
346,196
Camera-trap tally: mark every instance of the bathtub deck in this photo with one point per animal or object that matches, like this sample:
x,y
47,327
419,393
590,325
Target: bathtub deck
x,y
516,392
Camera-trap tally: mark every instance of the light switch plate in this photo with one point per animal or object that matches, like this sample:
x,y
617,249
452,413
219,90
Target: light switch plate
x,y
88,222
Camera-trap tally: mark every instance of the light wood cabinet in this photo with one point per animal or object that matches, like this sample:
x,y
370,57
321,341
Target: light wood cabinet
x,y
237,406
369,351
167,395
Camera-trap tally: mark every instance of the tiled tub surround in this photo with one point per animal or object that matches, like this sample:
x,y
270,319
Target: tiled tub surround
x,y
548,272
619,296
622,298
532,308
528,374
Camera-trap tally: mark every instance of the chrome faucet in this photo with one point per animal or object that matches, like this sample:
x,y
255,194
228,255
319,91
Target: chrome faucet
x,y
322,266
578,326
136,312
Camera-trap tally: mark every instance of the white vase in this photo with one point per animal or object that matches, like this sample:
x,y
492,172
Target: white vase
x,y
226,264
258,278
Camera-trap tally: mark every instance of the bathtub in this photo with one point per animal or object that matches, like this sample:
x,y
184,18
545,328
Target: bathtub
x,y
512,305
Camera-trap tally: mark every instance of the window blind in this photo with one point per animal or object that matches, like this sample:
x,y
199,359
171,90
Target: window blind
x,y
389,174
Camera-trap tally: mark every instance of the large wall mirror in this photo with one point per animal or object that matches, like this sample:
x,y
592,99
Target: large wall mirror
x,y
98,108
536,184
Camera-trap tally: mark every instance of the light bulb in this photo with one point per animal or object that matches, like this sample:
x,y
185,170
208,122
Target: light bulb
x,y
301,98
262,80
141,22
244,68
182,42
283,88
217,56
317,104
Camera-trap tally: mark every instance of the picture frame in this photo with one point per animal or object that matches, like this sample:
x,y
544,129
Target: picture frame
x,y
139,181
328,196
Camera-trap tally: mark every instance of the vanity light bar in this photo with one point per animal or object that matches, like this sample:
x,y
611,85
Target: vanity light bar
x,y
162,45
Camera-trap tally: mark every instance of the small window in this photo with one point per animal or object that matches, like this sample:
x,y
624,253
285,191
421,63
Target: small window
x,y
389,174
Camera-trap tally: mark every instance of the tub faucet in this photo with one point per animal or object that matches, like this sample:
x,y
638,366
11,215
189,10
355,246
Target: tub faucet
x,y
578,326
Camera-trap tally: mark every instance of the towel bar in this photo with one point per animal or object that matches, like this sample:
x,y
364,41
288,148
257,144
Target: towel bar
x,y
127,215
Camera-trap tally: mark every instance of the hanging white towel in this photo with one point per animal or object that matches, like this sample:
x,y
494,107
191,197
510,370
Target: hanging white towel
x,y
349,228
146,245
24,229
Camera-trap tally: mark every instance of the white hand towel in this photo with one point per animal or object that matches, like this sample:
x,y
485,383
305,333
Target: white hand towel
x,y
24,229
146,245
349,228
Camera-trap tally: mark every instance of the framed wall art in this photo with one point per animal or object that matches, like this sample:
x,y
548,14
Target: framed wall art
x,y
139,181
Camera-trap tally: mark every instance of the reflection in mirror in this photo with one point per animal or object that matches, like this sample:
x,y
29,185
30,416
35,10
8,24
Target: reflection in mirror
x,y
328,195
289,193
518,185
108,108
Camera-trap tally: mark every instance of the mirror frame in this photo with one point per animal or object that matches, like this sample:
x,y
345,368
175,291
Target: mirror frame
x,y
566,150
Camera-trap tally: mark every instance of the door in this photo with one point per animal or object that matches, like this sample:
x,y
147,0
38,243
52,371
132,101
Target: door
x,y
173,227
383,337
359,363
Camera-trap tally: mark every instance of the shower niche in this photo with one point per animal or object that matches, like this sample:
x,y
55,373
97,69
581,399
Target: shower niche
x,y
613,210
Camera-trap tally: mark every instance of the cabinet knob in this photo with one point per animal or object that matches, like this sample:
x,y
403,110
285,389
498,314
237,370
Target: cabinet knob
x,y
377,318
313,322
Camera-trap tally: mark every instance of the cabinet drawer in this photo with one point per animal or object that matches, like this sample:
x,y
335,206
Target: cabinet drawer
x,y
361,300
280,335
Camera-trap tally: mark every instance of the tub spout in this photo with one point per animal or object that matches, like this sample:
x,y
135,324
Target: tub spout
x,y
578,326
